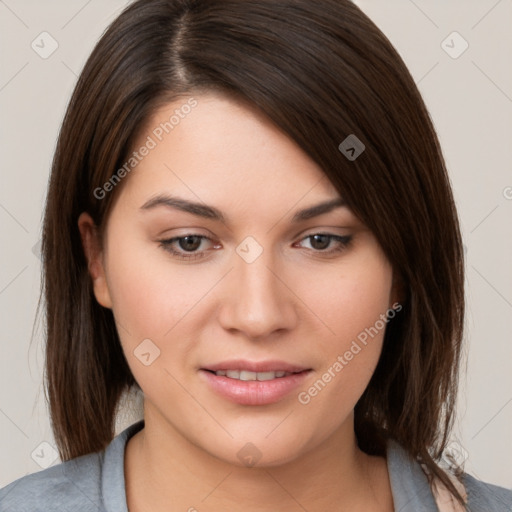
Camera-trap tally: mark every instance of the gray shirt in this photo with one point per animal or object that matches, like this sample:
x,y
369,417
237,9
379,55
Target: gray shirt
x,y
95,483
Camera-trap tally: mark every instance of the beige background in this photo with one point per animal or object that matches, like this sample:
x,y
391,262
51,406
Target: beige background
x,y
470,100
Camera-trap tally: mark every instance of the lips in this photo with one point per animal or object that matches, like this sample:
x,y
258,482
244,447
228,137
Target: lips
x,y
254,383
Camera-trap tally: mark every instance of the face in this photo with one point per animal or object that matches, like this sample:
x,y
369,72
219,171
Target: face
x,y
245,316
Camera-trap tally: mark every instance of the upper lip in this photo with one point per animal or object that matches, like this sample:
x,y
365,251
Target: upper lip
x,y
255,366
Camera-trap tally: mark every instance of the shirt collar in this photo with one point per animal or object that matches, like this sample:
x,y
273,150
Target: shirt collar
x,y
409,484
113,488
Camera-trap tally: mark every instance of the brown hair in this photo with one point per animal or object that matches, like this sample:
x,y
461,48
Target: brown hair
x,y
320,70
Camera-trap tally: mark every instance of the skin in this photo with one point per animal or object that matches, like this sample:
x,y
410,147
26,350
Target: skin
x,y
295,303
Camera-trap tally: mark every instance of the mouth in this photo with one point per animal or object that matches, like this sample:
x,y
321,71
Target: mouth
x,y
254,383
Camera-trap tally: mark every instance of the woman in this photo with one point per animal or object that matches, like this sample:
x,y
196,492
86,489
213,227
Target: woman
x,y
249,219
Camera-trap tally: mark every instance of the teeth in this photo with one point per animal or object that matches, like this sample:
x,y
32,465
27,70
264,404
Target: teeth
x,y
246,375
267,375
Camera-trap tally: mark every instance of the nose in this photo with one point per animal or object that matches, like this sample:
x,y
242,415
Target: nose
x,y
257,301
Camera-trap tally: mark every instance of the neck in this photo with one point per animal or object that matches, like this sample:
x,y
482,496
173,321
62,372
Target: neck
x,y
162,468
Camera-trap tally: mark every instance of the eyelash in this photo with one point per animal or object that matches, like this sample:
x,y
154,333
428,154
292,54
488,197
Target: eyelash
x,y
343,241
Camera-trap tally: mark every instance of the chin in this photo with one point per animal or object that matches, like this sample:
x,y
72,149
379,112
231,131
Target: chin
x,y
260,451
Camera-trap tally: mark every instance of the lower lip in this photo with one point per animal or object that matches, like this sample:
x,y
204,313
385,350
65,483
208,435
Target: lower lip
x,y
254,392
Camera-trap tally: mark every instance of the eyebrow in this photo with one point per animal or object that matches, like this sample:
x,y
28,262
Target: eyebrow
x,y
210,212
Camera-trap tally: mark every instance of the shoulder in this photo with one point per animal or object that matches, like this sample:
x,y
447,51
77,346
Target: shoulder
x,y
483,497
71,485
90,483
412,491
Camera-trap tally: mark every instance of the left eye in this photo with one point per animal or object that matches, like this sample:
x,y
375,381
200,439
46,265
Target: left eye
x,y
320,242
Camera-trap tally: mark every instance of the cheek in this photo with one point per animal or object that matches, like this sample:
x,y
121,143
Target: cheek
x,y
154,303
353,311
152,300
348,300
150,294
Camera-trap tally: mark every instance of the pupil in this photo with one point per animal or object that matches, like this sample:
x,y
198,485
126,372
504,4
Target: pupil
x,y
322,239
190,243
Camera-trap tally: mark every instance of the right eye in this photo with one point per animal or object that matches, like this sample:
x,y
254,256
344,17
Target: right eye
x,y
186,247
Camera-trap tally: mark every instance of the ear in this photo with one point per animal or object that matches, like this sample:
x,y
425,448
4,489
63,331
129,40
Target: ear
x,y
93,251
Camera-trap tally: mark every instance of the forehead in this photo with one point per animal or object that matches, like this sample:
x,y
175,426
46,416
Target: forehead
x,y
217,148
